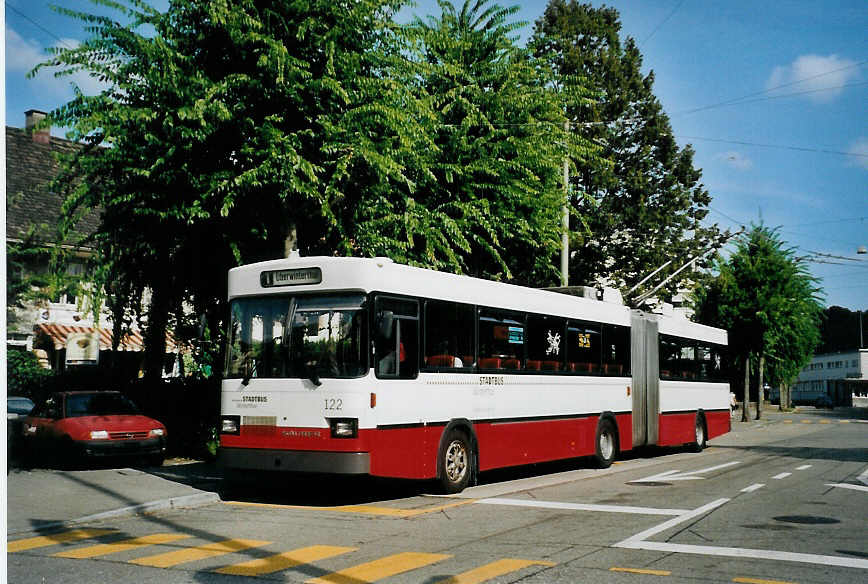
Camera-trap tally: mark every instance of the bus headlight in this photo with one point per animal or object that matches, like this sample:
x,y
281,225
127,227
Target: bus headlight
x,y
230,424
344,428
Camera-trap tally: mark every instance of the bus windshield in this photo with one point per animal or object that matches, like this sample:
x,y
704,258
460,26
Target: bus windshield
x,y
325,337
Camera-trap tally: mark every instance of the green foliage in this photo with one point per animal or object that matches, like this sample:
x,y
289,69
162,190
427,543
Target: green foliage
x,y
24,376
647,206
767,300
487,187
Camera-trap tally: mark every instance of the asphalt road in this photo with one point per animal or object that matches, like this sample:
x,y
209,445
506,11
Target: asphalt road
x,y
783,500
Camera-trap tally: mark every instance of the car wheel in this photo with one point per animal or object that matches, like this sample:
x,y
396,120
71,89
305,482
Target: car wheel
x,y
69,454
156,459
698,444
455,464
605,444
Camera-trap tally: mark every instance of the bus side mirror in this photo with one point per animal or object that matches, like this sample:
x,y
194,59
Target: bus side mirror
x,y
384,321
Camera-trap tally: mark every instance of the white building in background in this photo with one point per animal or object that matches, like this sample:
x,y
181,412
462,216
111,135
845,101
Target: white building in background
x,y
841,376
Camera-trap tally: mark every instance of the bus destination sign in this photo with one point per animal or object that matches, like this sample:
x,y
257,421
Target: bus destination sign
x,y
295,277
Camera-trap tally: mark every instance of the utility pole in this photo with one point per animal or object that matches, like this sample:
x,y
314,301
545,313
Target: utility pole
x,y
565,220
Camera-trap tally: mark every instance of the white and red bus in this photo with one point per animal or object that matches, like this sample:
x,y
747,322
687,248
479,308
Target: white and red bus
x,y
365,366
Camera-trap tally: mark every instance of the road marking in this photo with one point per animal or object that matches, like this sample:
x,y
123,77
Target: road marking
x,y
782,475
642,571
803,467
752,488
806,421
788,421
672,523
672,475
47,540
843,421
362,509
492,570
121,546
581,506
825,422
744,553
759,581
209,550
848,486
285,560
863,478
380,569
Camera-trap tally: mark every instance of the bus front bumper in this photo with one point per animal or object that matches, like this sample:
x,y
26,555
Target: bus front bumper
x,y
294,460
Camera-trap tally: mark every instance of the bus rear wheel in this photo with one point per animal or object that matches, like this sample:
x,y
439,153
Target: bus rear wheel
x,y
699,435
606,444
455,463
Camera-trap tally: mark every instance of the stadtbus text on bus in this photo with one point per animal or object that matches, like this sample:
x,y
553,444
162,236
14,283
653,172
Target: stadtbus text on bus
x,y
366,366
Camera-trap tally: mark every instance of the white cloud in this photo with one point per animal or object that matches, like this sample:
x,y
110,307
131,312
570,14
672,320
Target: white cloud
x,y
735,160
859,150
824,76
22,55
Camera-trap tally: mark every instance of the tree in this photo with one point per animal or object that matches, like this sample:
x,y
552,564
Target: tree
x,y
647,207
765,297
494,171
228,132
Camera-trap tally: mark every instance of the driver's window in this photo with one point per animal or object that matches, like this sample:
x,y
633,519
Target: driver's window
x,y
396,345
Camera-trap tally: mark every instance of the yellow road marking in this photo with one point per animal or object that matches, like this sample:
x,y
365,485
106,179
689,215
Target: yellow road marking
x,y
642,571
363,509
788,421
806,421
47,540
825,422
285,560
379,569
121,546
492,570
843,421
759,581
209,550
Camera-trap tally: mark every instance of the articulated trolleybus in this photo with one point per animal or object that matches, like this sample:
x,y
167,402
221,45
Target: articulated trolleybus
x,y
365,366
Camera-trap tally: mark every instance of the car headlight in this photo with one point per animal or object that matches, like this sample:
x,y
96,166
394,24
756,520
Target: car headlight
x,y
28,429
156,432
99,435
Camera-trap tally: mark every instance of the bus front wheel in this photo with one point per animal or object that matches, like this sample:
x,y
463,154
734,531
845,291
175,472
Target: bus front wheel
x,y
606,444
455,463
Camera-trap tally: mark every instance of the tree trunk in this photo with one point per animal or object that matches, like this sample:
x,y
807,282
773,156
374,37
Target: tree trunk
x,y
759,393
746,402
155,335
782,397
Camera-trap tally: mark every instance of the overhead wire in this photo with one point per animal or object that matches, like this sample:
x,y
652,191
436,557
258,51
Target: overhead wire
x,y
37,25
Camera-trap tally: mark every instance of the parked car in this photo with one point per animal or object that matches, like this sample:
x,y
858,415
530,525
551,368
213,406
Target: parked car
x,y
89,424
824,401
16,408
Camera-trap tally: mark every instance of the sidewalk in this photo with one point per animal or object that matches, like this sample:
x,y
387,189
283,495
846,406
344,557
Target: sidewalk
x,y
42,499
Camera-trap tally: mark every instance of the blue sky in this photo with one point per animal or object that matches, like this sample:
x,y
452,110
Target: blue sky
x,y
772,95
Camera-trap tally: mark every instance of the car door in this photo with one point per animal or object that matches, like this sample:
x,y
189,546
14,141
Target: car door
x,y
41,425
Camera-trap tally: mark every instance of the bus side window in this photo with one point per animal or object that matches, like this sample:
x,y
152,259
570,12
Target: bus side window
x,y
449,335
501,339
396,344
545,343
616,350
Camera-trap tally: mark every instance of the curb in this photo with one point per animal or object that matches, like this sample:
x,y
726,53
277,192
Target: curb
x,y
182,502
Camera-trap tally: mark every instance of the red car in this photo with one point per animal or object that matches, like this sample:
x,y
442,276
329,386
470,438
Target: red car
x,y
74,424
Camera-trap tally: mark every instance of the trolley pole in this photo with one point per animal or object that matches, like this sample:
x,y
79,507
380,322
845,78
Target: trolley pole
x,y
565,220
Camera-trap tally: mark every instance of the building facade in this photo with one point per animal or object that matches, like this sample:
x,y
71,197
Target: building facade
x,y
61,327
834,375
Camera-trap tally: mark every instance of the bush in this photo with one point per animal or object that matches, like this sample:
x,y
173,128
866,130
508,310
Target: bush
x,y
24,375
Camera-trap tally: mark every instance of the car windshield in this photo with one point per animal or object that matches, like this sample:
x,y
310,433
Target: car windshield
x,y
326,337
98,404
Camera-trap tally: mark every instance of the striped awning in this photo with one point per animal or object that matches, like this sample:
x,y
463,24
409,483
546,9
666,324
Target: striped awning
x,y
131,342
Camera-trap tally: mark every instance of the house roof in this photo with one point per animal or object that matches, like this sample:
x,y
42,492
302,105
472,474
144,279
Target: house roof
x,y
30,166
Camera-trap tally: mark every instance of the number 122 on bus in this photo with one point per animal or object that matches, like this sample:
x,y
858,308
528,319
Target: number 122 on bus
x,y
365,366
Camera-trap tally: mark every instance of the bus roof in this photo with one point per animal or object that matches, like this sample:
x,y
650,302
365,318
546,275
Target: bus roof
x,y
347,274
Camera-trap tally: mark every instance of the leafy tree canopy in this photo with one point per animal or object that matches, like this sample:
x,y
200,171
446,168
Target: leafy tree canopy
x,y
648,206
